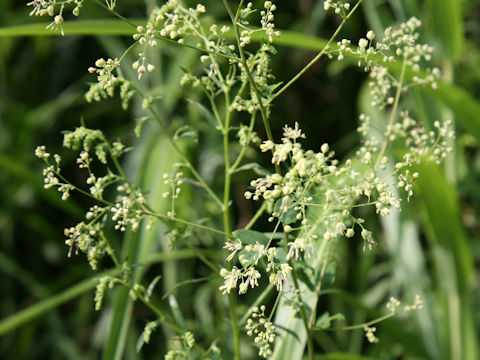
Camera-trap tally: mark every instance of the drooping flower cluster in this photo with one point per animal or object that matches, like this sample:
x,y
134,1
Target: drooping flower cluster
x,y
259,326
174,181
126,211
397,45
338,6
394,306
185,344
54,9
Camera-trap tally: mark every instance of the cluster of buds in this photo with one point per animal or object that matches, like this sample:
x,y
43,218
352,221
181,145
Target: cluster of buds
x,y
262,328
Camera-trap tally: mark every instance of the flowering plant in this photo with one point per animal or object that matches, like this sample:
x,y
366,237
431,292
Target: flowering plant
x,y
310,198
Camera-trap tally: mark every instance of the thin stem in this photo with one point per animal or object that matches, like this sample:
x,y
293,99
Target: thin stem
x,y
258,301
313,315
359,326
185,159
393,114
116,13
155,309
110,251
243,61
311,352
244,148
215,113
207,262
257,215
226,221
316,58
277,301
186,222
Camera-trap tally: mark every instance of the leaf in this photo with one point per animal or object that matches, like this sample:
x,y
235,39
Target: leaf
x,y
330,274
302,276
177,313
250,237
78,27
25,316
343,356
281,256
287,217
462,103
206,114
140,342
248,258
446,24
324,321
151,286
186,131
259,170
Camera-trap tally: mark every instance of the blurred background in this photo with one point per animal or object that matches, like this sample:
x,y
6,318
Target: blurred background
x,y
431,248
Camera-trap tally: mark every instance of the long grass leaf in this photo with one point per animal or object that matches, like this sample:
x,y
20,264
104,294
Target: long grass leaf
x,y
446,23
25,316
80,27
465,107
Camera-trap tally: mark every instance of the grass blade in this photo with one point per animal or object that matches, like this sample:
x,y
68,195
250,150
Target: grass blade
x,y
25,316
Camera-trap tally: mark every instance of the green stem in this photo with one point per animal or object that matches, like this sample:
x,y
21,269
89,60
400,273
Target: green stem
x,y
257,302
316,58
311,352
243,61
359,326
116,13
257,215
186,222
185,159
155,309
244,148
313,316
226,221
393,114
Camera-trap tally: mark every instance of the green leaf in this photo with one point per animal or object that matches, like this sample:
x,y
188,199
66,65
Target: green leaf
x,y
301,272
25,316
177,313
151,286
281,256
446,23
206,114
78,27
259,170
250,237
343,356
325,321
287,217
186,131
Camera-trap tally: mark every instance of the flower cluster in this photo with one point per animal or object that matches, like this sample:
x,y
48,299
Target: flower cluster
x,y
126,211
129,208
339,7
174,181
370,334
261,327
49,8
89,239
185,342
396,45
394,307
247,277
107,81
102,285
